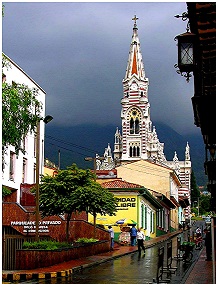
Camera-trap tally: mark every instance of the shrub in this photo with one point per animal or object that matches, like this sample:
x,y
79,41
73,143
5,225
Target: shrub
x,y
45,245
86,240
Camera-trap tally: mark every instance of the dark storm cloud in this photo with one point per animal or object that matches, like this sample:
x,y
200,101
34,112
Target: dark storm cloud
x,y
77,52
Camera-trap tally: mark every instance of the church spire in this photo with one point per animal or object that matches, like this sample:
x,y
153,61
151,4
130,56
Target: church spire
x,y
135,63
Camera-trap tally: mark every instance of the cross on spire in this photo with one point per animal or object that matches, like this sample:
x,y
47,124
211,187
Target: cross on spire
x,y
135,19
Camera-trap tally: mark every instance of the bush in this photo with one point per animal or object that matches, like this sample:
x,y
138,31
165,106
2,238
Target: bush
x,y
86,240
45,245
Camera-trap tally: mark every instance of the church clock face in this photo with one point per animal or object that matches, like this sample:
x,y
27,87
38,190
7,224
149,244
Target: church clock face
x,y
134,87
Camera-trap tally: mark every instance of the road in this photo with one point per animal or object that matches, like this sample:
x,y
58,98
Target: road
x,y
132,268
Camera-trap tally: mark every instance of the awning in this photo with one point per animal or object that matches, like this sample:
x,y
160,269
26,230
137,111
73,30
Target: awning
x,y
184,202
148,196
165,200
172,198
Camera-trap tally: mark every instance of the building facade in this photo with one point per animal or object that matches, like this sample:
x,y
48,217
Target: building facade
x,y
21,169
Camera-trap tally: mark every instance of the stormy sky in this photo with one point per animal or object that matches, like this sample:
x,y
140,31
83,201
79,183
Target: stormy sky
x,y
78,51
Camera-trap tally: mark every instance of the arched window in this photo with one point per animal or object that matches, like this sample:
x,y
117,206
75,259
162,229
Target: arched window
x,y
131,126
130,151
137,126
134,151
134,117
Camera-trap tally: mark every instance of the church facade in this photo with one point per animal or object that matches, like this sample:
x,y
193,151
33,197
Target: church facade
x,y
138,139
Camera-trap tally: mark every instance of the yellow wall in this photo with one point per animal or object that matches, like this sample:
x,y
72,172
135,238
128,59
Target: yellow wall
x,y
147,174
49,171
151,176
129,206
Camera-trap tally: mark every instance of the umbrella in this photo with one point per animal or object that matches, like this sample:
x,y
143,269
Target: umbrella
x,y
126,221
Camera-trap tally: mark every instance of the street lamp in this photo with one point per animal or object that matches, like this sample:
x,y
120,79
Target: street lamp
x,y
46,120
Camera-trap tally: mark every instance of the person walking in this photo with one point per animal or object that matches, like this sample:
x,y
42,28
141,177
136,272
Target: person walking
x,y
140,240
111,231
133,234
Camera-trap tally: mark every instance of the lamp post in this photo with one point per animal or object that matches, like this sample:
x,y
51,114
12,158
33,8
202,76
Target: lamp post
x,y
46,120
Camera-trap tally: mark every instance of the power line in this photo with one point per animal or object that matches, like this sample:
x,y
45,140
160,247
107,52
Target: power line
x,y
70,144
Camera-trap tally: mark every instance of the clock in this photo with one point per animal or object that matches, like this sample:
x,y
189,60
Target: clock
x,y
134,87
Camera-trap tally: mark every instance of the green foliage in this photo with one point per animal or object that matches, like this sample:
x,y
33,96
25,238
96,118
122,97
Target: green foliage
x,y
5,191
95,199
57,193
86,240
45,245
20,111
188,244
205,205
74,190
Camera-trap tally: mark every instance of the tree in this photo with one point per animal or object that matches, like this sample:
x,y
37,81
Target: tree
x,y
95,200
20,110
73,190
205,204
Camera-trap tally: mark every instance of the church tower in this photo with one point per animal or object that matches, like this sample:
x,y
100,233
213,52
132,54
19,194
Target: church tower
x,y
139,140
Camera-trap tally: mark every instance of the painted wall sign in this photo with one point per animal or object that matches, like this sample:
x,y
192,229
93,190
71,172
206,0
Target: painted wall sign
x,y
126,202
30,226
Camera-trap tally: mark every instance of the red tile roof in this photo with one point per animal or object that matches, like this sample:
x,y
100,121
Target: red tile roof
x,y
120,184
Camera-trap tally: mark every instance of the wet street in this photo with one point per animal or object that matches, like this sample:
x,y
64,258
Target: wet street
x,y
132,268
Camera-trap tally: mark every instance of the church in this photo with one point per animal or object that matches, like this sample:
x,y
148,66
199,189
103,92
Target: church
x,y
137,145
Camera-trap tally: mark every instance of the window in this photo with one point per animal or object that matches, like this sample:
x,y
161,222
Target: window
x,y
134,117
12,165
24,170
152,222
134,149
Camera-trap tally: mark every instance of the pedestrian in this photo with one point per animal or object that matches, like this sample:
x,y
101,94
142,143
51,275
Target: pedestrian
x,y
111,231
208,244
140,240
133,235
198,232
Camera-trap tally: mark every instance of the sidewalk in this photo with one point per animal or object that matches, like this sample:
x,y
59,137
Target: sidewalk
x,y
201,272
67,268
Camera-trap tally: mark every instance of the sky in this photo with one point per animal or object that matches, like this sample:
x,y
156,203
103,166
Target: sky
x,y
78,51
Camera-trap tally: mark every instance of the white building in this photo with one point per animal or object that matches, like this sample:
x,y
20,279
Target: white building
x,y
21,169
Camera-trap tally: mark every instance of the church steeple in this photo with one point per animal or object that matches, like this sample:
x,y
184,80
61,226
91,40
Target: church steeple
x,y
135,65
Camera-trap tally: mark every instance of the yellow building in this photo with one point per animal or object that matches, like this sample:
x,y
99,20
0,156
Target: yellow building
x,y
162,182
134,203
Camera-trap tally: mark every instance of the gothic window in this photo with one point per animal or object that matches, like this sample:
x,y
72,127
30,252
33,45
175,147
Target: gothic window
x,y
134,149
134,116
130,151
137,126
131,126
138,151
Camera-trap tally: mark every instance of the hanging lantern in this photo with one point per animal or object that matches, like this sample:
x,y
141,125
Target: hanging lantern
x,y
186,52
